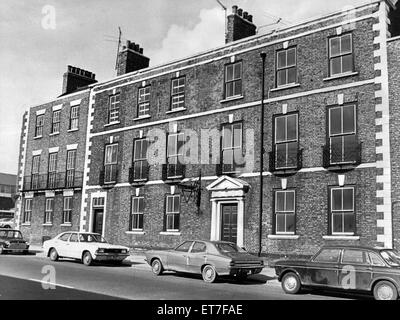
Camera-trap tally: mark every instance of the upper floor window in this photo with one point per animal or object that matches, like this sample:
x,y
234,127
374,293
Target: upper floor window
x,y
341,54
137,214
172,212
144,102
342,213
174,153
55,125
39,125
233,80
286,141
74,118
52,170
342,134
48,214
286,67
35,172
113,112
67,210
70,174
140,165
178,93
285,211
231,147
27,211
110,163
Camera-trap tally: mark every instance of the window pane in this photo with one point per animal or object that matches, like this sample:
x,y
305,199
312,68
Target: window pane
x,y
290,201
229,73
337,149
290,222
238,87
337,222
280,201
281,155
172,139
292,75
292,149
347,63
280,223
346,44
337,199
169,204
292,127
335,46
282,77
227,138
280,130
354,256
227,156
138,149
141,204
291,57
184,247
176,222
328,255
349,222
176,203
229,89
350,148
335,120
348,199
348,119
336,66
237,71
282,59
237,135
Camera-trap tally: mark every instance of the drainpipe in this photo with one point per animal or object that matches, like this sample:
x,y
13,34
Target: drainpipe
x,y
263,56
393,205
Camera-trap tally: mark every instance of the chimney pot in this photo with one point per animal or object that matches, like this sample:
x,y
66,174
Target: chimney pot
x,y
141,50
239,25
240,12
234,9
250,18
245,14
132,60
136,48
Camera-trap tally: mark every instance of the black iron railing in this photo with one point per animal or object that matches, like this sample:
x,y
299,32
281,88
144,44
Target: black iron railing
x,y
339,155
173,171
139,172
53,181
283,161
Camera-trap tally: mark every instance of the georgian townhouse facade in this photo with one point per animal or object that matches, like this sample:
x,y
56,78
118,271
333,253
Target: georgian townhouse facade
x,y
330,131
52,156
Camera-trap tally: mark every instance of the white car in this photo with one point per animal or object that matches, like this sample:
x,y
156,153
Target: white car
x,y
84,246
7,223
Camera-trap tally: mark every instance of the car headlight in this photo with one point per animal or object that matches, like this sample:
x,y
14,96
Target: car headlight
x,y
100,251
124,251
7,244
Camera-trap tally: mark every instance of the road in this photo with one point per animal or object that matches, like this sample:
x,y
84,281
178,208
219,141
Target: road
x,y
29,277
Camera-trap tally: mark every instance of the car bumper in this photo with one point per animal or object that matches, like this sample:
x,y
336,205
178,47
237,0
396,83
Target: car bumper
x,y
110,257
232,271
16,250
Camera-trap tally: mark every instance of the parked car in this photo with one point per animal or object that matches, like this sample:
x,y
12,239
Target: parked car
x,y
208,258
84,246
348,268
12,241
7,223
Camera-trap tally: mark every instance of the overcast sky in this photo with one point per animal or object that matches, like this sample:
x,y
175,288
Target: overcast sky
x,y
33,58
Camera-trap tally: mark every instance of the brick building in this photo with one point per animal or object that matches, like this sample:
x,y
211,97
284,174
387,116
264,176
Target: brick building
x,y
330,127
7,195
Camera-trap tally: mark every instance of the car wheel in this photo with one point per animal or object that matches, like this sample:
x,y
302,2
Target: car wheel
x,y
87,259
385,290
53,255
291,283
156,267
209,273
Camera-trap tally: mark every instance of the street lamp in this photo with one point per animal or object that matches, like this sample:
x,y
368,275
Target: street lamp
x,y
263,56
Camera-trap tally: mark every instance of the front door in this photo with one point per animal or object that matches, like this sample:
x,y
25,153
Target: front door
x,y
98,220
229,222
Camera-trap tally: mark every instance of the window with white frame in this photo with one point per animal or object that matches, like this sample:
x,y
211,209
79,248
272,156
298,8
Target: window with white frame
x,y
27,211
233,80
341,58
39,125
140,165
48,214
52,170
175,153
114,106
74,118
67,210
286,141
342,134
144,101
35,172
137,208
172,212
343,220
286,67
231,146
110,163
70,174
178,93
285,212
55,125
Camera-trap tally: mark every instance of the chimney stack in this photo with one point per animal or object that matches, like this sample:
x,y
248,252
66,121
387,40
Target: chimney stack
x,y
240,25
76,78
131,59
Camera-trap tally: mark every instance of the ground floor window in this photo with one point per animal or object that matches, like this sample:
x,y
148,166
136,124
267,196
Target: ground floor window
x,y
285,212
27,211
342,213
48,214
137,208
172,212
67,212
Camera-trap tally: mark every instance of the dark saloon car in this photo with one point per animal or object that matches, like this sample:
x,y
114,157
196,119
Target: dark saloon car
x,y
348,268
12,241
208,258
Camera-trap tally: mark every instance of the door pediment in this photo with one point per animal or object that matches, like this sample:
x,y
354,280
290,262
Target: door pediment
x,y
228,185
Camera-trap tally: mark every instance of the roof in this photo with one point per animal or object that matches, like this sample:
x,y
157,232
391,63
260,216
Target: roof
x,y
8,179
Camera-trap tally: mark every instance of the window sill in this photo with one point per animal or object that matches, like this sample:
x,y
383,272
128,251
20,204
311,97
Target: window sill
x,y
73,130
283,237
47,224
54,134
342,75
26,224
289,86
232,99
176,110
341,238
135,232
66,225
142,118
38,137
170,233
112,123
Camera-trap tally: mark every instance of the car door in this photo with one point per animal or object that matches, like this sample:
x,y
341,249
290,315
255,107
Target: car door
x,y
355,271
61,244
323,269
197,256
74,246
178,259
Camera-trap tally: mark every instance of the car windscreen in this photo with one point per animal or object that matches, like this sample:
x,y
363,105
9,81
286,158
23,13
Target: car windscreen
x,y
392,257
13,234
228,248
91,237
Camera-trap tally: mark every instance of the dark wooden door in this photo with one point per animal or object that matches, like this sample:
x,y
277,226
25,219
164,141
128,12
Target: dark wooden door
x,y
98,220
229,222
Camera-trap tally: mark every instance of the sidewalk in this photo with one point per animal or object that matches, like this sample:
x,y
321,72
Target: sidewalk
x,y
137,261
